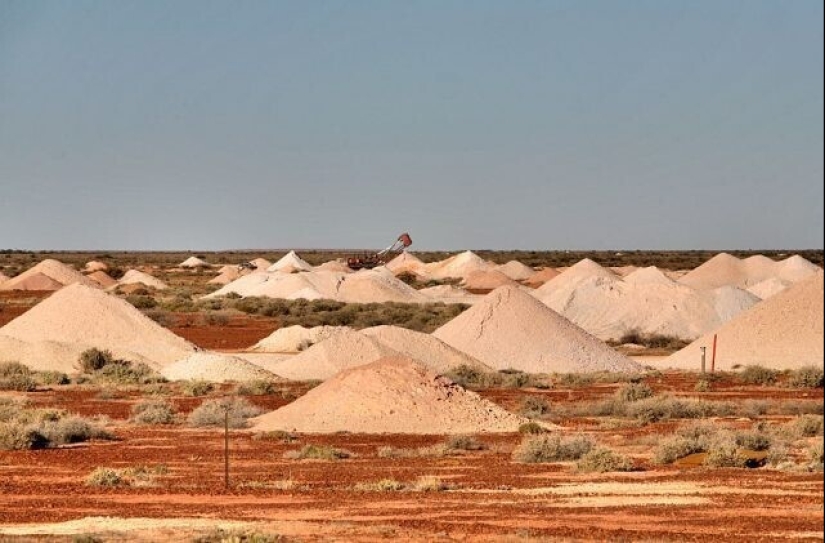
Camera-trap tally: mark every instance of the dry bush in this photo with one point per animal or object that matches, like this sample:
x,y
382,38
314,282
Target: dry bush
x,y
105,477
281,436
196,388
633,392
153,412
259,387
92,360
552,448
234,536
603,460
213,413
71,429
758,375
753,441
318,452
725,454
383,485
464,443
807,377
532,428
534,407
430,483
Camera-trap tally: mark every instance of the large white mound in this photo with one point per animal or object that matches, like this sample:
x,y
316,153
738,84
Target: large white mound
x,y
425,348
407,263
392,395
769,287
783,332
194,262
511,329
47,275
575,274
724,269
516,270
215,368
88,317
458,266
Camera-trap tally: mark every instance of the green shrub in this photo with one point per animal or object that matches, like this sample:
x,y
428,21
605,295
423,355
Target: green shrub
x,y
725,454
531,428
124,372
318,452
153,412
552,448
753,441
71,430
534,407
807,377
196,388
634,392
15,376
702,385
142,301
758,375
384,485
18,436
92,360
234,536
105,477
673,448
258,387
815,454
213,412
808,426
53,378
603,460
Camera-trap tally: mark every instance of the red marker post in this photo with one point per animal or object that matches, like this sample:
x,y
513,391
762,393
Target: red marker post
x,y
713,355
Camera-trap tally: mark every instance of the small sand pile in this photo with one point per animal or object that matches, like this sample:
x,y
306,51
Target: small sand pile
x,y
343,350
337,265
424,348
795,268
215,368
47,275
623,271
3,277
485,281
648,275
194,262
722,269
511,329
575,274
78,315
102,278
134,277
407,263
516,271
228,274
95,265
783,332
294,339
290,263
392,395
459,266
541,277
450,294
769,287
260,264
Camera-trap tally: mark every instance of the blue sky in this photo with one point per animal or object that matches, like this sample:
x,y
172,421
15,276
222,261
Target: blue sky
x,y
470,124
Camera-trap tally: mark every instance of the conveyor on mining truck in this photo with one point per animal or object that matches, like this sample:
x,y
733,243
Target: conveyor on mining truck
x,y
371,260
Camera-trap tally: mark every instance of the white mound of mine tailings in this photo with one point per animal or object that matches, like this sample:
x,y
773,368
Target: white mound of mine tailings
x,y
344,350
724,269
511,329
407,263
261,264
102,278
95,265
215,368
575,274
487,280
425,348
623,271
338,266
541,277
516,271
378,285
769,287
392,395
77,314
228,274
194,262
3,277
610,308
648,275
449,294
39,275
458,266
289,263
41,355
294,339
782,332
133,277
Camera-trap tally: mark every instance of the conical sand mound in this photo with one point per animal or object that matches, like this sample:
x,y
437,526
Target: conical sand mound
x,y
376,286
648,275
79,315
216,368
783,332
541,277
487,280
95,265
344,350
511,329
406,263
47,272
516,271
133,277
724,269
294,339
575,274
227,275
391,395
795,268
289,263
194,262
102,278
459,266
260,264
429,350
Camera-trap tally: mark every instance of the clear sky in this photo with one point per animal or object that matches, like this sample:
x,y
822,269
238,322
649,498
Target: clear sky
x,y
471,124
